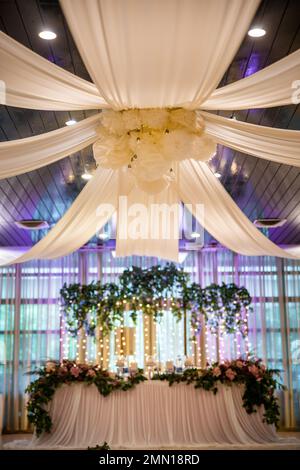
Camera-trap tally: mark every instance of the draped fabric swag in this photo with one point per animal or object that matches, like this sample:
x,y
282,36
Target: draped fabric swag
x,y
23,155
235,231
81,221
36,83
277,145
167,54
272,86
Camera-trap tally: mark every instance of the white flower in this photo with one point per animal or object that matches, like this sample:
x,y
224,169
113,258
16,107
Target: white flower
x,y
149,140
184,118
155,118
203,148
177,145
111,151
131,119
112,121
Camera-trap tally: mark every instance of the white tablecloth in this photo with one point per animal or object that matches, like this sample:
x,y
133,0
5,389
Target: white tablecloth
x,y
152,415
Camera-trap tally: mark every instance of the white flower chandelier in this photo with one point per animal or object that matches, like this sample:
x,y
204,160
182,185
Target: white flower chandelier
x,y
150,142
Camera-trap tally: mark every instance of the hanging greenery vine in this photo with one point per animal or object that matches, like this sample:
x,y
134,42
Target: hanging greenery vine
x,y
152,291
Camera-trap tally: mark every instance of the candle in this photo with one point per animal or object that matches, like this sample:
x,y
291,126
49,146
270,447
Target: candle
x,y
189,362
133,366
150,362
120,362
169,365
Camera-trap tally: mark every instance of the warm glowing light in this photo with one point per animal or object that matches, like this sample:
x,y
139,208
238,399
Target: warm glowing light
x,y
103,236
86,176
256,32
48,35
195,235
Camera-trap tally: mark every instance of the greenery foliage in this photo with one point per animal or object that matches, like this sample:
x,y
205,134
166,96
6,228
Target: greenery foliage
x,y
152,291
259,385
53,375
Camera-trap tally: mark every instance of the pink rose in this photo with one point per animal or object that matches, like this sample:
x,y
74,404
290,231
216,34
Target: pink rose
x,y
216,371
63,370
50,366
91,373
239,364
230,374
227,363
75,371
263,367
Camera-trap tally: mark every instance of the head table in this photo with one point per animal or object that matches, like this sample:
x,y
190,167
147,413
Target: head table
x,y
152,415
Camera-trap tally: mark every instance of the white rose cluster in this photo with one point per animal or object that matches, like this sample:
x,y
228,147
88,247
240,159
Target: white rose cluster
x,y
148,141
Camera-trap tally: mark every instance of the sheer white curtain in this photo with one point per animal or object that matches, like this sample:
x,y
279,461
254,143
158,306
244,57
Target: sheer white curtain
x,y
30,327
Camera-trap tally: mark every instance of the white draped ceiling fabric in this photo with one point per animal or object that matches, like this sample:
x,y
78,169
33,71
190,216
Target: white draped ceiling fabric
x,y
277,145
36,83
269,87
167,54
23,155
155,54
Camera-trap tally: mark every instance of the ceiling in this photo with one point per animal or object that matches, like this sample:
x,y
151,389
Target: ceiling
x,y
259,187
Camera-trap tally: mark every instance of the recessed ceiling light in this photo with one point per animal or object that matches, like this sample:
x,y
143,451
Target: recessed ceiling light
x,y
32,224
103,236
195,235
256,32
86,176
71,178
48,35
269,223
71,122
217,175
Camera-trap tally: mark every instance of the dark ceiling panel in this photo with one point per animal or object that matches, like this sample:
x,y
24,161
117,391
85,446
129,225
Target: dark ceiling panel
x,y
260,188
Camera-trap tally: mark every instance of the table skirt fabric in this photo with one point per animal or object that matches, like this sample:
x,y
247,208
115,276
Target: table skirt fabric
x,y
151,415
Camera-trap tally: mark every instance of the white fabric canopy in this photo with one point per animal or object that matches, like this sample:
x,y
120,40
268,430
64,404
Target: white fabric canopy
x,y
155,218
89,212
277,145
151,415
157,54
23,155
269,87
222,218
36,83
142,54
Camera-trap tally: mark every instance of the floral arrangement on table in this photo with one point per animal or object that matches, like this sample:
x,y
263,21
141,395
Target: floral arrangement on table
x,y
151,291
55,374
149,141
259,382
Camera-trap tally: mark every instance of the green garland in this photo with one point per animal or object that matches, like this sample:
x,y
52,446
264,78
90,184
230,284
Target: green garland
x,y
152,291
259,383
53,375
